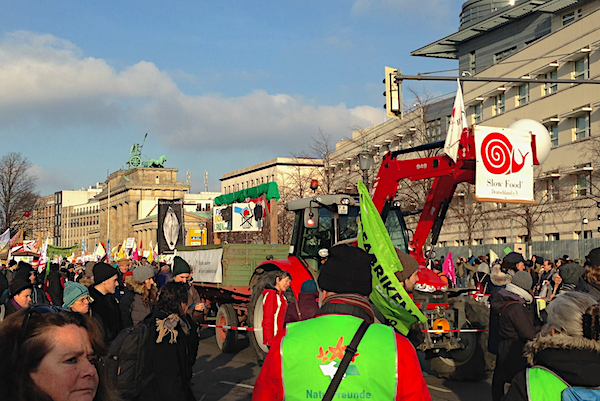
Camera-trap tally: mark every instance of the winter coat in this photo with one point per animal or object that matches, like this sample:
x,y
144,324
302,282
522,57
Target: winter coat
x,y
545,290
498,279
193,300
40,297
163,277
10,308
132,305
167,358
593,290
274,310
105,308
3,283
10,275
306,305
55,287
575,359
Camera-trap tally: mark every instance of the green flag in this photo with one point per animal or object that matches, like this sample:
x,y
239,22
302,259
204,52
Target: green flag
x,y
389,296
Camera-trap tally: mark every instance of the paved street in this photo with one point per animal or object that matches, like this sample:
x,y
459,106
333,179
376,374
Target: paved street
x,y
229,377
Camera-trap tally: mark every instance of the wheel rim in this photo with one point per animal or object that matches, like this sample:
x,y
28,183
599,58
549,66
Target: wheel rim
x,y
461,356
221,333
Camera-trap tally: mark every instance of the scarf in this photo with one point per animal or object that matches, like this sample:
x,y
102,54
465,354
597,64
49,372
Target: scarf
x,y
348,304
168,326
520,292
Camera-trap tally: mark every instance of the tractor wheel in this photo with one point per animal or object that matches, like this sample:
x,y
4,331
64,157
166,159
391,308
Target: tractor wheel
x,y
226,339
473,362
255,313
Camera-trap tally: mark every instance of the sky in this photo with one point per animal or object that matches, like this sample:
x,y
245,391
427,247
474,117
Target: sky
x,y
217,85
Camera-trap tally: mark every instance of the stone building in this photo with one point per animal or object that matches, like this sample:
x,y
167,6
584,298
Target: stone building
x,y
43,218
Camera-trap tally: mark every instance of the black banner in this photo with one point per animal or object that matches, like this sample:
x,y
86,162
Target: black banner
x,y
170,225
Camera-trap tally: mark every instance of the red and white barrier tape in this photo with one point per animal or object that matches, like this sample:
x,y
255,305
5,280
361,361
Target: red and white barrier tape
x,y
216,326
455,331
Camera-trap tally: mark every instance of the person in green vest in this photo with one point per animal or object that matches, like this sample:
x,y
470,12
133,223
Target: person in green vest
x,y
565,357
304,357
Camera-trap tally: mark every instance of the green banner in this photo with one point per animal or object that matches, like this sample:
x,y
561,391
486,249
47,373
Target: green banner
x,y
62,251
389,296
270,190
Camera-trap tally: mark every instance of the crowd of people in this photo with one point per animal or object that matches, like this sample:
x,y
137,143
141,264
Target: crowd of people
x,y
56,327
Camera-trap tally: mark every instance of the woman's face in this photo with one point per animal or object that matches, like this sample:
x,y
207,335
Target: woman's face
x,y
82,305
23,298
66,373
148,283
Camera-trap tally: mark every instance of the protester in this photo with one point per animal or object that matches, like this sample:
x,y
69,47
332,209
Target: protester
x,y
511,326
48,353
26,272
386,363
409,275
11,271
569,278
87,278
275,306
19,296
182,274
104,305
461,272
164,275
123,270
168,355
306,306
592,274
545,284
502,273
567,351
76,298
140,296
55,284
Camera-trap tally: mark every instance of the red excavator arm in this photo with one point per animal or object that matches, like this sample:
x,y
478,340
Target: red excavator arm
x,y
446,176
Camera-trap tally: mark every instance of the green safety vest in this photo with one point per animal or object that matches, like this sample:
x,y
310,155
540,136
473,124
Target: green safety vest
x,y
543,385
312,349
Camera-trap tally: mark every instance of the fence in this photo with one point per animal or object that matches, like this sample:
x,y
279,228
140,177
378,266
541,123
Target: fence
x,y
576,249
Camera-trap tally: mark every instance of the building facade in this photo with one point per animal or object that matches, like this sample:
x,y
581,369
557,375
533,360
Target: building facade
x,y
43,218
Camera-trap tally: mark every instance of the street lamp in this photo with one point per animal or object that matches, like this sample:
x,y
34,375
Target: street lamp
x,y
365,162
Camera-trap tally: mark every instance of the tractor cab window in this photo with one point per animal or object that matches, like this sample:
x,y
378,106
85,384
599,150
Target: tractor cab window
x,y
318,237
348,224
396,227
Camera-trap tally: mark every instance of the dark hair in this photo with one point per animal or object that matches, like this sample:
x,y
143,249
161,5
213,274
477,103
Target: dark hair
x,y
171,296
281,274
21,358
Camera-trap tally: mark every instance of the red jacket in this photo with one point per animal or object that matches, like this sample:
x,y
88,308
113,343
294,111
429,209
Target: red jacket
x,y
411,385
274,309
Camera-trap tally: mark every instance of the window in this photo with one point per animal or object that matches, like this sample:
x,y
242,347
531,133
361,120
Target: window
x,y
500,240
434,129
553,237
582,126
499,104
581,68
587,234
477,113
523,239
571,16
478,241
460,242
550,88
523,95
504,54
553,129
583,185
552,189
442,244
472,63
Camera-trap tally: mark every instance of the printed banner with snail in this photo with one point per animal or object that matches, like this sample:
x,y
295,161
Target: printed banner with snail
x,y
504,169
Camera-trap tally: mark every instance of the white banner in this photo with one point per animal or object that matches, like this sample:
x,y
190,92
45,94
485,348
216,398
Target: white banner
x,y
206,264
504,169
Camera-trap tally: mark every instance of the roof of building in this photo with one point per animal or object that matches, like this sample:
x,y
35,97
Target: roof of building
x,y
278,161
447,47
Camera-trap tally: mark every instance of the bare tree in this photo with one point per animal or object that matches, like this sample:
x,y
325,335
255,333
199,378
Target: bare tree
x,y
17,196
470,214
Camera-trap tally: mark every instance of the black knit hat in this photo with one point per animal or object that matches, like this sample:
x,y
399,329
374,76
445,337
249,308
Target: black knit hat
x,y
18,285
347,269
102,272
180,266
570,273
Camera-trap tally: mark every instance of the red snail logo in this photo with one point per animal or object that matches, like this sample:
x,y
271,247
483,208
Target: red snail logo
x,y
498,155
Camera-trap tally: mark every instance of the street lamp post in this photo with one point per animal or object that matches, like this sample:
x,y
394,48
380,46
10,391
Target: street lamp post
x,y
365,162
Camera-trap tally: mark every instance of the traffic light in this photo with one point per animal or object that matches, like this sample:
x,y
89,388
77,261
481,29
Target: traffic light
x,y
393,93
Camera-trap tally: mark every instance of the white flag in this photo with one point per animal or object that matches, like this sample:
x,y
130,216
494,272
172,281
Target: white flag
x,y
458,122
5,238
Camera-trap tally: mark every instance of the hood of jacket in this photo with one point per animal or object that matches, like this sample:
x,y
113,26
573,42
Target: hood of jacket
x,y
575,359
133,285
498,277
504,296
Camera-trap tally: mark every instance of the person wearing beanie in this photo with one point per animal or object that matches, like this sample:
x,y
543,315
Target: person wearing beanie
x,y
512,324
386,363
410,268
76,297
19,296
275,306
11,271
140,295
103,303
182,274
55,283
569,278
26,272
307,304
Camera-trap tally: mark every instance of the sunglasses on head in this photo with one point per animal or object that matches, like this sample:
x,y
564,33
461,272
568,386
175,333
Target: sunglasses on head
x,y
41,309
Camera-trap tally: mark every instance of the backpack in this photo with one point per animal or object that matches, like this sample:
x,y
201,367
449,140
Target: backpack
x,y
125,363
